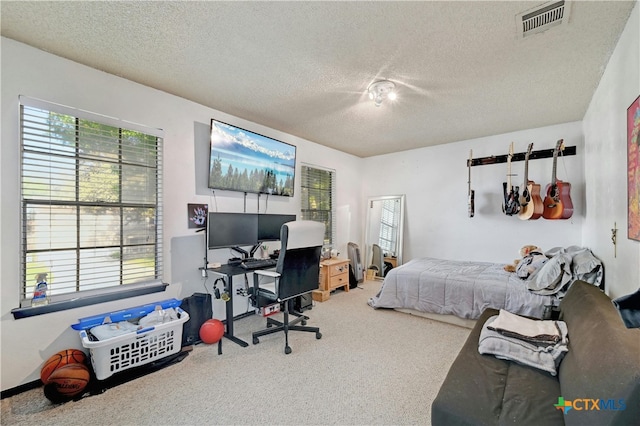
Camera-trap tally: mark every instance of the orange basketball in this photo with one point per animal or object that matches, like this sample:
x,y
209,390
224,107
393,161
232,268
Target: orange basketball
x,y
62,358
70,380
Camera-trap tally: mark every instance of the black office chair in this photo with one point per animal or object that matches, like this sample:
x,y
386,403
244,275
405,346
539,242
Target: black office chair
x,y
297,273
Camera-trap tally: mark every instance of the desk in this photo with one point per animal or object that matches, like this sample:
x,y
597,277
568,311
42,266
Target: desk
x,y
229,271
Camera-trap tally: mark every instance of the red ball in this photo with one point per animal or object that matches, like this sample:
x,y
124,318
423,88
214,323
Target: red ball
x,y
69,380
211,331
60,359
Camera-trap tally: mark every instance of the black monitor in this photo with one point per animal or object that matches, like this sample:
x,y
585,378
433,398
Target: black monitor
x,y
231,229
269,225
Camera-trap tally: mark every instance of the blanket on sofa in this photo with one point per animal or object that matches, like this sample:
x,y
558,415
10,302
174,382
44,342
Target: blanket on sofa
x,y
512,347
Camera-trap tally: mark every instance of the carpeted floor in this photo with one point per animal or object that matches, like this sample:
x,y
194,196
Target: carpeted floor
x,y
370,367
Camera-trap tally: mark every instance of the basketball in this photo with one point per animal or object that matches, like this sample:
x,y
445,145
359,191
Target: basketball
x,y
69,380
62,358
211,331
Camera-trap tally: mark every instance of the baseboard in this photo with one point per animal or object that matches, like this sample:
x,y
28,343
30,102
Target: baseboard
x,y
19,389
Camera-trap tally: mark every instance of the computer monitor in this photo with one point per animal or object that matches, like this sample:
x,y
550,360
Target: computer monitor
x,y
231,230
269,225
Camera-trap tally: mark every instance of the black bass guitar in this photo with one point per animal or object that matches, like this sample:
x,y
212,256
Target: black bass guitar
x,y
511,205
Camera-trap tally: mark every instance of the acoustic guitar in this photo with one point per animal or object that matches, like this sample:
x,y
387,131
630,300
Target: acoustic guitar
x,y
531,206
471,194
557,204
510,205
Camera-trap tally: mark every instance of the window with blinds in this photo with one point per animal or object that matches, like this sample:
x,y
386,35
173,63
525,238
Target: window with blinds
x,y
318,194
91,202
389,226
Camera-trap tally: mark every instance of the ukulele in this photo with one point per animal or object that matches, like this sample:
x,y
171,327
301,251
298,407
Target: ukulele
x,y
471,194
510,206
531,206
557,204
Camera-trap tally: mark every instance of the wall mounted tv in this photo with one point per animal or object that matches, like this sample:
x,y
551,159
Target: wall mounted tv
x,y
241,160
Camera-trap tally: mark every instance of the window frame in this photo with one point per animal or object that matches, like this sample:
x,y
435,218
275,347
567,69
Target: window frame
x,y
330,193
113,289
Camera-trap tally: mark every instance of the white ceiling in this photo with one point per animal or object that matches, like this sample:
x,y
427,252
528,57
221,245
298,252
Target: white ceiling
x,y
303,67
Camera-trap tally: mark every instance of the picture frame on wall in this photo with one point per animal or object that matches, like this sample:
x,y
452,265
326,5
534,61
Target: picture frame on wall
x,y
633,170
197,214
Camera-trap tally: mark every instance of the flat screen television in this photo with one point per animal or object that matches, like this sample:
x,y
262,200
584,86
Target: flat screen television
x,y
231,230
269,225
241,160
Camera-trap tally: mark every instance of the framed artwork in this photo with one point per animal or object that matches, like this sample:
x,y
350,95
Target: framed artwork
x,y
633,170
197,214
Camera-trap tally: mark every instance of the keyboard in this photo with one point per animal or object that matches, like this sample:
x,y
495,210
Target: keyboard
x,y
258,263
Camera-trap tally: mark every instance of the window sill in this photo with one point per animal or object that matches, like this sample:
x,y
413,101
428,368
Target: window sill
x,y
19,313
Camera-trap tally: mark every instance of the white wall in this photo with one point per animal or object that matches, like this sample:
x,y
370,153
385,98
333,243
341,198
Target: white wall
x,y
606,162
34,73
434,181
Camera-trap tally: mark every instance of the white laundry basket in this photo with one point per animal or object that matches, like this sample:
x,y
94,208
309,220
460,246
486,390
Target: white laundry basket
x,y
133,349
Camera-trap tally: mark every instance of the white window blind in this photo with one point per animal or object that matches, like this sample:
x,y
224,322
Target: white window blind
x,y
318,195
389,226
91,201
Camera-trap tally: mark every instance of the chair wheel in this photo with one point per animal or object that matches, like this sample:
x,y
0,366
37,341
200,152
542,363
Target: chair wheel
x,y
318,335
287,350
303,322
255,341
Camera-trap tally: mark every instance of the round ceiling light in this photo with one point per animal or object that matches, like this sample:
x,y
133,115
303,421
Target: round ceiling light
x,y
381,90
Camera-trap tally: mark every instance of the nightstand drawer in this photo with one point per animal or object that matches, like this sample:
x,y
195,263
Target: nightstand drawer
x,y
338,269
338,280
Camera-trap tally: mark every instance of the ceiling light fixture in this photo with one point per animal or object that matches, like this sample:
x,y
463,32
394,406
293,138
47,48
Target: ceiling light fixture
x,y
381,90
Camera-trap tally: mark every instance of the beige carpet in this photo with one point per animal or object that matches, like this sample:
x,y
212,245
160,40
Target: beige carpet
x,y
370,367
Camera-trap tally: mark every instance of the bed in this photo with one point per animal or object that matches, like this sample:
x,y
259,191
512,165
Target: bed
x,y
466,288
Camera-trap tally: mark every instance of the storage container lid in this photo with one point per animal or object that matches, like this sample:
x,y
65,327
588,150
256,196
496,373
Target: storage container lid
x,y
125,314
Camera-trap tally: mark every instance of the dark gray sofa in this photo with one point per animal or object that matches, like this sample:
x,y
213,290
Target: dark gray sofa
x,y
603,363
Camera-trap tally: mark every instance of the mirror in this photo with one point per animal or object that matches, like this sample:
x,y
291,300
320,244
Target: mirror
x,y
383,235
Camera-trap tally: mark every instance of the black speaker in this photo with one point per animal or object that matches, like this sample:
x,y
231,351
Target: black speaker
x,y
200,309
303,302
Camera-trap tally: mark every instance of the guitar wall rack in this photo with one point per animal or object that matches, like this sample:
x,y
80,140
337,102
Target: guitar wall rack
x,y
520,156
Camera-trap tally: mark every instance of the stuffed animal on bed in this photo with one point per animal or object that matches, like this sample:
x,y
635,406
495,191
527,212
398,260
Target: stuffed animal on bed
x,y
532,259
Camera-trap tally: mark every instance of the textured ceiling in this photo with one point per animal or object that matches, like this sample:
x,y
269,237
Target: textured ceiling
x,y
303,67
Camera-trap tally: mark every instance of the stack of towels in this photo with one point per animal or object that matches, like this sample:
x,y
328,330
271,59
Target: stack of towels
x,y
536,343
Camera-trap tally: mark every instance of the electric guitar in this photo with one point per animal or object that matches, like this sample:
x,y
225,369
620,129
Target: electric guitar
x,y
511,205
471,194
531,206
557,203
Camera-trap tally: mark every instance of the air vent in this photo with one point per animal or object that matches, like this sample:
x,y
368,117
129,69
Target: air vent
x,y
542,18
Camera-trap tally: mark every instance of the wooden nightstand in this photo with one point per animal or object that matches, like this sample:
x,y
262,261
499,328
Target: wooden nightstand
x,y
334,273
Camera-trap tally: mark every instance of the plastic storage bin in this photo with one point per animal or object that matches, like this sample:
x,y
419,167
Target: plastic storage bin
x,y
133,349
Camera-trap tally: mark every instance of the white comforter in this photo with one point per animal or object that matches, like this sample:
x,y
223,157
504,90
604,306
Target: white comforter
x,y
461,288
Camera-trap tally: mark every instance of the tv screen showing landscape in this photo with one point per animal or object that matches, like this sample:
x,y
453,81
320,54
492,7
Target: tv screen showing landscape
x,y
241,160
